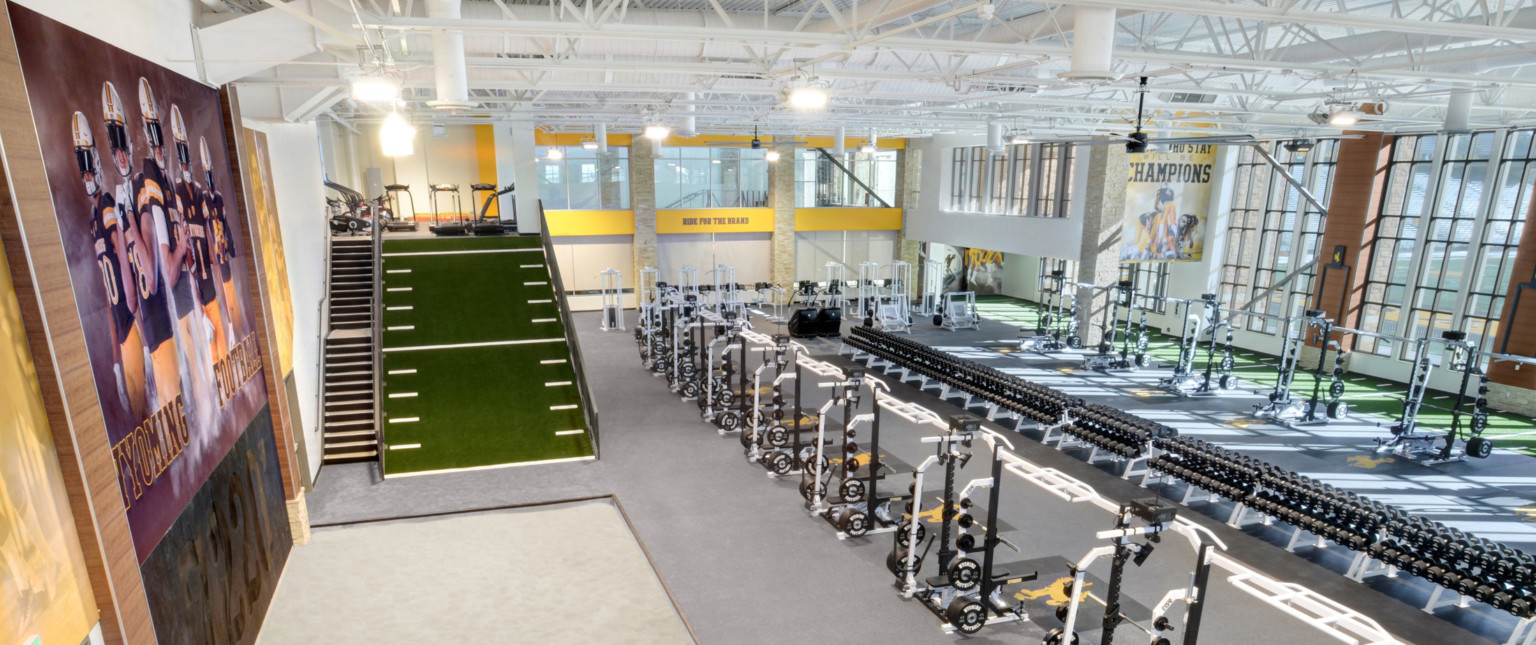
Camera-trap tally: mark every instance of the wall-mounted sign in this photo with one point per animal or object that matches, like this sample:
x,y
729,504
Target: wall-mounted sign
x,y
715,220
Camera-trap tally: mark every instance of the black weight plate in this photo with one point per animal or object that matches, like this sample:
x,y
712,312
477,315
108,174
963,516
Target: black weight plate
x,y
1479,447
966,614
1336,389
964,573
853,522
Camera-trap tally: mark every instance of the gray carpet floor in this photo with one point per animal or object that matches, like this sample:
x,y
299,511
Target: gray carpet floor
x,y
567,573
743,559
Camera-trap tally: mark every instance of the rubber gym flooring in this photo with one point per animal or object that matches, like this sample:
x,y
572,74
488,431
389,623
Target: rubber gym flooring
x,y
747,565
1367,395
477,367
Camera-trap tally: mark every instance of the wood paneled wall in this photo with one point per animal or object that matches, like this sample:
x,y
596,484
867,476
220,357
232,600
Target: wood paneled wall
x,y
31,235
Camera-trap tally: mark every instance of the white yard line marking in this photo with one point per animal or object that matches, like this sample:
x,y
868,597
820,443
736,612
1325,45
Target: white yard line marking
x,y
563,407
405,420
403,395
471,252
406,308
533,266
534,284
544,320
496,343
513,465
397,288
556,383
405,446
410,371
539,302
552,361
401,328
397,270
566,432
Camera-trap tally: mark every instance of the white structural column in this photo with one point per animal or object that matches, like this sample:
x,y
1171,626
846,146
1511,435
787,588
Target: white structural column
x,y
516,159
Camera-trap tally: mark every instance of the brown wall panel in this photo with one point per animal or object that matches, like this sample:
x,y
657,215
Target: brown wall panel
x,y
1522,328
1352,210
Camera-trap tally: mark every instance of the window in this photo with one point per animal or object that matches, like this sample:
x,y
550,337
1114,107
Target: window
x,y
584,179
703,177
1151,282
1250,187
1026,179
824,179
1500,236
1392,249
1323,159
1448,235
1054,179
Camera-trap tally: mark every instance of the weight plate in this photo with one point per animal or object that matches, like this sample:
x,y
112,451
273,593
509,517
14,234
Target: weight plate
x,y
964,573
1228,382
938,320
966,614
853,522
1142,360
1058,637
728,421
852,465
777,435
966,542
1479,447
1074,342
1228,363
748,437
1141,345
1045,321
851,448
1104,348
852,490
1479,422
781,463
1336,390
1338,410
690,390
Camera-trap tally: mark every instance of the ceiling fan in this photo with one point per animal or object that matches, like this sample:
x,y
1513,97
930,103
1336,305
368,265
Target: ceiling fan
x,y
1138,142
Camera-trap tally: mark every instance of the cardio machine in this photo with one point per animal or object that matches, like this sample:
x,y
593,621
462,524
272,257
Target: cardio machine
x,y
397,222
442,226
484,224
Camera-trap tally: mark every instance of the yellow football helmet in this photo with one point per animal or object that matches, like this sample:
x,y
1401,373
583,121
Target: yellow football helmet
x,y
150,110
179,133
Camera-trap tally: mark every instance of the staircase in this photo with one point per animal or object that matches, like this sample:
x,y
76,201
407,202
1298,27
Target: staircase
x,y
347,426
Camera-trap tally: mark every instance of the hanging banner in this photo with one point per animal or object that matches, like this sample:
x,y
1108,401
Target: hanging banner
x,y
984,271
1167,195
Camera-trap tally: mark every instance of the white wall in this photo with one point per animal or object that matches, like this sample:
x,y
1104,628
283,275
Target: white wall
x,y
1021,276
929,221
295,154
156,30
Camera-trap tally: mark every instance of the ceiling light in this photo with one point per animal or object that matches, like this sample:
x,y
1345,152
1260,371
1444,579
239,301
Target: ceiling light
x,y
375,89
1019,137
554,154
589,145
807,93
772,156
657,131
396,137
868,149
1344,118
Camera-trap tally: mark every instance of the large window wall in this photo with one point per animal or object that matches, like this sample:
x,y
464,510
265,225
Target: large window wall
x,y
704,177
583,179
1396,239
1026,179
1495,257
826,180
1151,282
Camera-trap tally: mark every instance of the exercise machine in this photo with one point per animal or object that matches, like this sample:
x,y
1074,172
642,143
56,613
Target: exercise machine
x,y
455,226
1108,359
396,222
484,224
611,283
933,288
1056,327
959,311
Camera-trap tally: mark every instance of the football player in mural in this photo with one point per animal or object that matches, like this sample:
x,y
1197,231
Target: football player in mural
x,y
200,260
154,314
223,247
1165,233
111,237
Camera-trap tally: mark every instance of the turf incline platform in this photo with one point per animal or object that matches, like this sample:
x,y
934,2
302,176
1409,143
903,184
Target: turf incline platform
x,y
477,369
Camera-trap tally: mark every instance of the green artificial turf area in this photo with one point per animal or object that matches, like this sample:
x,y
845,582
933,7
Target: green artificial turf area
x,y
487,404
1366,395
468,298
481,406
429,244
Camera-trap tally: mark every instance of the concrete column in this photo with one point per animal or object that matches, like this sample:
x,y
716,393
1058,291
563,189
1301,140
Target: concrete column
x,y
1098,260
909,168
781,196
642,198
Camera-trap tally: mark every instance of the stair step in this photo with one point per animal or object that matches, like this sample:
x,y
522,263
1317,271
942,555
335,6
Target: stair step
x,y
348,425
351,457
356,374
354,403
351,433
349,444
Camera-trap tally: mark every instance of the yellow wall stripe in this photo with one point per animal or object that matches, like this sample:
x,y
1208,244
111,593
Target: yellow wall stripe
x,y
602,222
847,219
714,220
575,139
485,152
541,138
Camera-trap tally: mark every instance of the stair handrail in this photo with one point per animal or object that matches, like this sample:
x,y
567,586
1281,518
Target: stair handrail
x,y
376,325
573,343
325,330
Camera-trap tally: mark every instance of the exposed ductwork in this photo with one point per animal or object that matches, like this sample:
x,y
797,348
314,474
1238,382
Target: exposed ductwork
x,y
840,141
1458,112
448,59
690,123
1093,46
600,132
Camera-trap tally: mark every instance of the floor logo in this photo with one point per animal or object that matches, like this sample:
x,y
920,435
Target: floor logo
x,y
1368,462
1055,594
